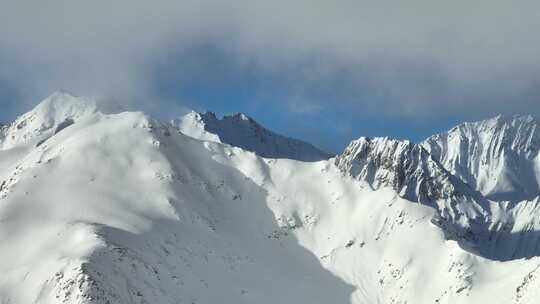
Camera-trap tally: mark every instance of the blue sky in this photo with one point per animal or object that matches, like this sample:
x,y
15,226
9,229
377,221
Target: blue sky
x,y
326,72
269,98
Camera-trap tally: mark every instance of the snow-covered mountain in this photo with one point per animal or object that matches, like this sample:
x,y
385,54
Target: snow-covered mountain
x,y
242,131
49,117
498,157
121,208
409,170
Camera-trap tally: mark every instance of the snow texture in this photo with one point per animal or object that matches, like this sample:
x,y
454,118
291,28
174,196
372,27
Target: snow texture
x,y
121,208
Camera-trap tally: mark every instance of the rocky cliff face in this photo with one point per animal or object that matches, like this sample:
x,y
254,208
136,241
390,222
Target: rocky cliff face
x,y
402,165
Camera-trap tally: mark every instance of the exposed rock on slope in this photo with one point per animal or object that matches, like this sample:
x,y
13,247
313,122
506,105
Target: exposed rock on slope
x,y
409,169
242,131
402,165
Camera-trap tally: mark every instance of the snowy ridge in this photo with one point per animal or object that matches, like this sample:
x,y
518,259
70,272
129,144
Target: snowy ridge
x,y
52,115
242,131
498,157
121,208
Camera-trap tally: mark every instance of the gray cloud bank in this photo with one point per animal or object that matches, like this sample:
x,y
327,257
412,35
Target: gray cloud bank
x,y
416,58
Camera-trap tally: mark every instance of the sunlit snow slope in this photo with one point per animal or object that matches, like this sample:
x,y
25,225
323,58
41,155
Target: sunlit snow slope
x,y
121,208
499,156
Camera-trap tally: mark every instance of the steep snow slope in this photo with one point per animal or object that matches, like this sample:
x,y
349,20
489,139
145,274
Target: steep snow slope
x,y
115,209
498,157
123,209
241,131
385,245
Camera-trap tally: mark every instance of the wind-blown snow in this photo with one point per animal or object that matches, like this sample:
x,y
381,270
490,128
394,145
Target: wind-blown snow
x,y
121,208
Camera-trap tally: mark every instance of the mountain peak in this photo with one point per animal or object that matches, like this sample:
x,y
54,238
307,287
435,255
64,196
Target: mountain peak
x,y
500,121
204,116
514,118
55,112
241,131
497,156
239,117
64,104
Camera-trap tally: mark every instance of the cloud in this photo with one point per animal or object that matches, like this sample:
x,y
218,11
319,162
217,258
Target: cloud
x,y
417,58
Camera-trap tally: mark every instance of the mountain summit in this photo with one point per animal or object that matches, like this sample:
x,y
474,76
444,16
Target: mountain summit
x,y
239,130
50,116
498,157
